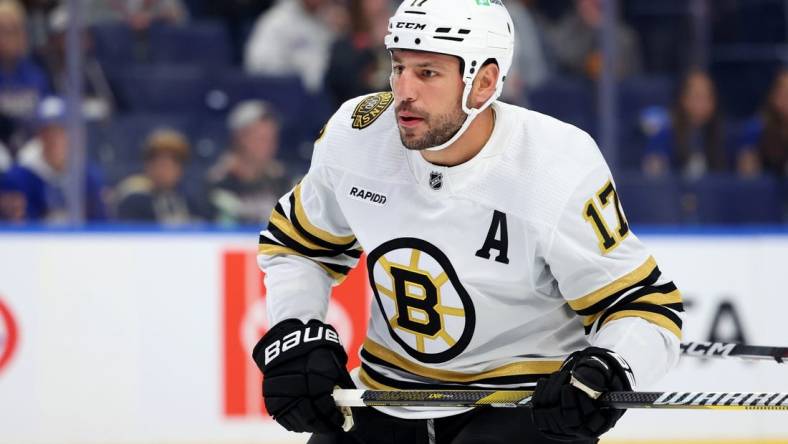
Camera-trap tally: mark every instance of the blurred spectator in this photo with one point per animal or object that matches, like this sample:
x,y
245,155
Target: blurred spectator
x,y
97,94
359,62
764,142
154,195
5,158
530,68
22,81
138,14
42,172
691,142
12,201
239,17
37,19
292,38
246,183
575,42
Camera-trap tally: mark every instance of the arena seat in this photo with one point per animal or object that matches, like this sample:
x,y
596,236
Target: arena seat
x,y
286,93
203,43
115,45
650,201
566,98
160,88
727,199
639,92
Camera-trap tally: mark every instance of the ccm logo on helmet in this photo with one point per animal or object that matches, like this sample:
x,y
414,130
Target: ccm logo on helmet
x,y
411,25
296,338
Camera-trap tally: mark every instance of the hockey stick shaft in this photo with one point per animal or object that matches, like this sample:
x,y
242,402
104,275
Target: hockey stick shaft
x,y
522,398
732,350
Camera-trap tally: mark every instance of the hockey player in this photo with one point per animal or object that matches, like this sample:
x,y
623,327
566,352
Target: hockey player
x,y
497,250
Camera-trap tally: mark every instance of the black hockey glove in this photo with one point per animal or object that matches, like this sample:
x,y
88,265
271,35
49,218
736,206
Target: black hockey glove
x,y
564,412
301,365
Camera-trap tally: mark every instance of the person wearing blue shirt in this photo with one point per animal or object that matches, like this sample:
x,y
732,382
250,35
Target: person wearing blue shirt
x,y
22,81
691,141
42,171
763,141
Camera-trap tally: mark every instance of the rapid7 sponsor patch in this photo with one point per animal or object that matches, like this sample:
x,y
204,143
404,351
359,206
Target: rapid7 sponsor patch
x,y
367,196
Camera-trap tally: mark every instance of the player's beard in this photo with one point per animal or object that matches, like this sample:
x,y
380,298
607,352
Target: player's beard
x,y
440,128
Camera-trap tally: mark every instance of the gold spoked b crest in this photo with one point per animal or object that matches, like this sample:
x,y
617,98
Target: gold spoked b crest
x,y
371,108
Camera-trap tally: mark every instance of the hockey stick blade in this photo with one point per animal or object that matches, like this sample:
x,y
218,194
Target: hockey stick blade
x,y
522,398
733,350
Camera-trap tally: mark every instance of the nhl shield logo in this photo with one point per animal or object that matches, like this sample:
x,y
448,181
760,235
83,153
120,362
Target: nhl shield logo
x,y
436,180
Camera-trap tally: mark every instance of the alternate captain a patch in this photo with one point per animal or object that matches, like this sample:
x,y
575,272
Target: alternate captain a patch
x,y
370,109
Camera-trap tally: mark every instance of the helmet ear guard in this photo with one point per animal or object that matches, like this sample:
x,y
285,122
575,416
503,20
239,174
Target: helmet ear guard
x,y
472,30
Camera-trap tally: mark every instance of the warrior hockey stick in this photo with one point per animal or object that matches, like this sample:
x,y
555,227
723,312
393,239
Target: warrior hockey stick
x,y
522,398
730,350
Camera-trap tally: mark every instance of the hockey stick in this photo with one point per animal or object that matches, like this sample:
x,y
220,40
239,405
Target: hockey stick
x,y
731,350
522,398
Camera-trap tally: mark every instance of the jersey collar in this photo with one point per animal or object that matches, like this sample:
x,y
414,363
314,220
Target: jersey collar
x,y
442,179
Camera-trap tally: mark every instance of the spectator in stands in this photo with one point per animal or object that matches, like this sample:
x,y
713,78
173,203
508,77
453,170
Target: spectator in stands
x,y
763,146
42,172
12,201
5,158
246,183
530,68
239,17
98,100
292,38
37,19
139,14
22,81
154,195
691,142
575,42
359,63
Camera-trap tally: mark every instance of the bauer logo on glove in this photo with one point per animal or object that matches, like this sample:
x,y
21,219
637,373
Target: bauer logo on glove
x,y
295,339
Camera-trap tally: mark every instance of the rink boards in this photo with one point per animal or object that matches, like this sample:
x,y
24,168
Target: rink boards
x,y
143,337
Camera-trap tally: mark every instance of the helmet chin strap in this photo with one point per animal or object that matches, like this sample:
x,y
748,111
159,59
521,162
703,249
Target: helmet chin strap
x,y
472,113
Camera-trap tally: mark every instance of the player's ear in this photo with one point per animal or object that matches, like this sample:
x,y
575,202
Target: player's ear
x,y
484,84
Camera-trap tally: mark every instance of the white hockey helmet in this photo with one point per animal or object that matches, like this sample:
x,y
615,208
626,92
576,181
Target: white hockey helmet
x,y
473,30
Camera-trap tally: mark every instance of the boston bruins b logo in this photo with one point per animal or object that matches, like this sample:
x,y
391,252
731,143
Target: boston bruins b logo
x,y
429,312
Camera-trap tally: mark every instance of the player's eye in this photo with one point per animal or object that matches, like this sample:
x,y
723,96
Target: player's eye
x,y
397,69
428,73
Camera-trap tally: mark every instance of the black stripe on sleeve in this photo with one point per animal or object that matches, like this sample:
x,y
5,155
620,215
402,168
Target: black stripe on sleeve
x,y
645,291
604,303
679,307
342,269
658,309
315,239
297,246
355,254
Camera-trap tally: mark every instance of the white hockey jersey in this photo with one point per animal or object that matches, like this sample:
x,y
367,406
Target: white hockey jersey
x,y
484,274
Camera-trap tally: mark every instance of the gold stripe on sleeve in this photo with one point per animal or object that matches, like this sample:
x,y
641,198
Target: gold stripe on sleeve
x,y
654,318
513,369
272,250
287,227
313,230
674,297
621,283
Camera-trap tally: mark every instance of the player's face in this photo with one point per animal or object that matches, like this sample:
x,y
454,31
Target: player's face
x,y
428,97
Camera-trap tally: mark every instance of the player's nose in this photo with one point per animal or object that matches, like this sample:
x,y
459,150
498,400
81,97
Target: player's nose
x,y
404,87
